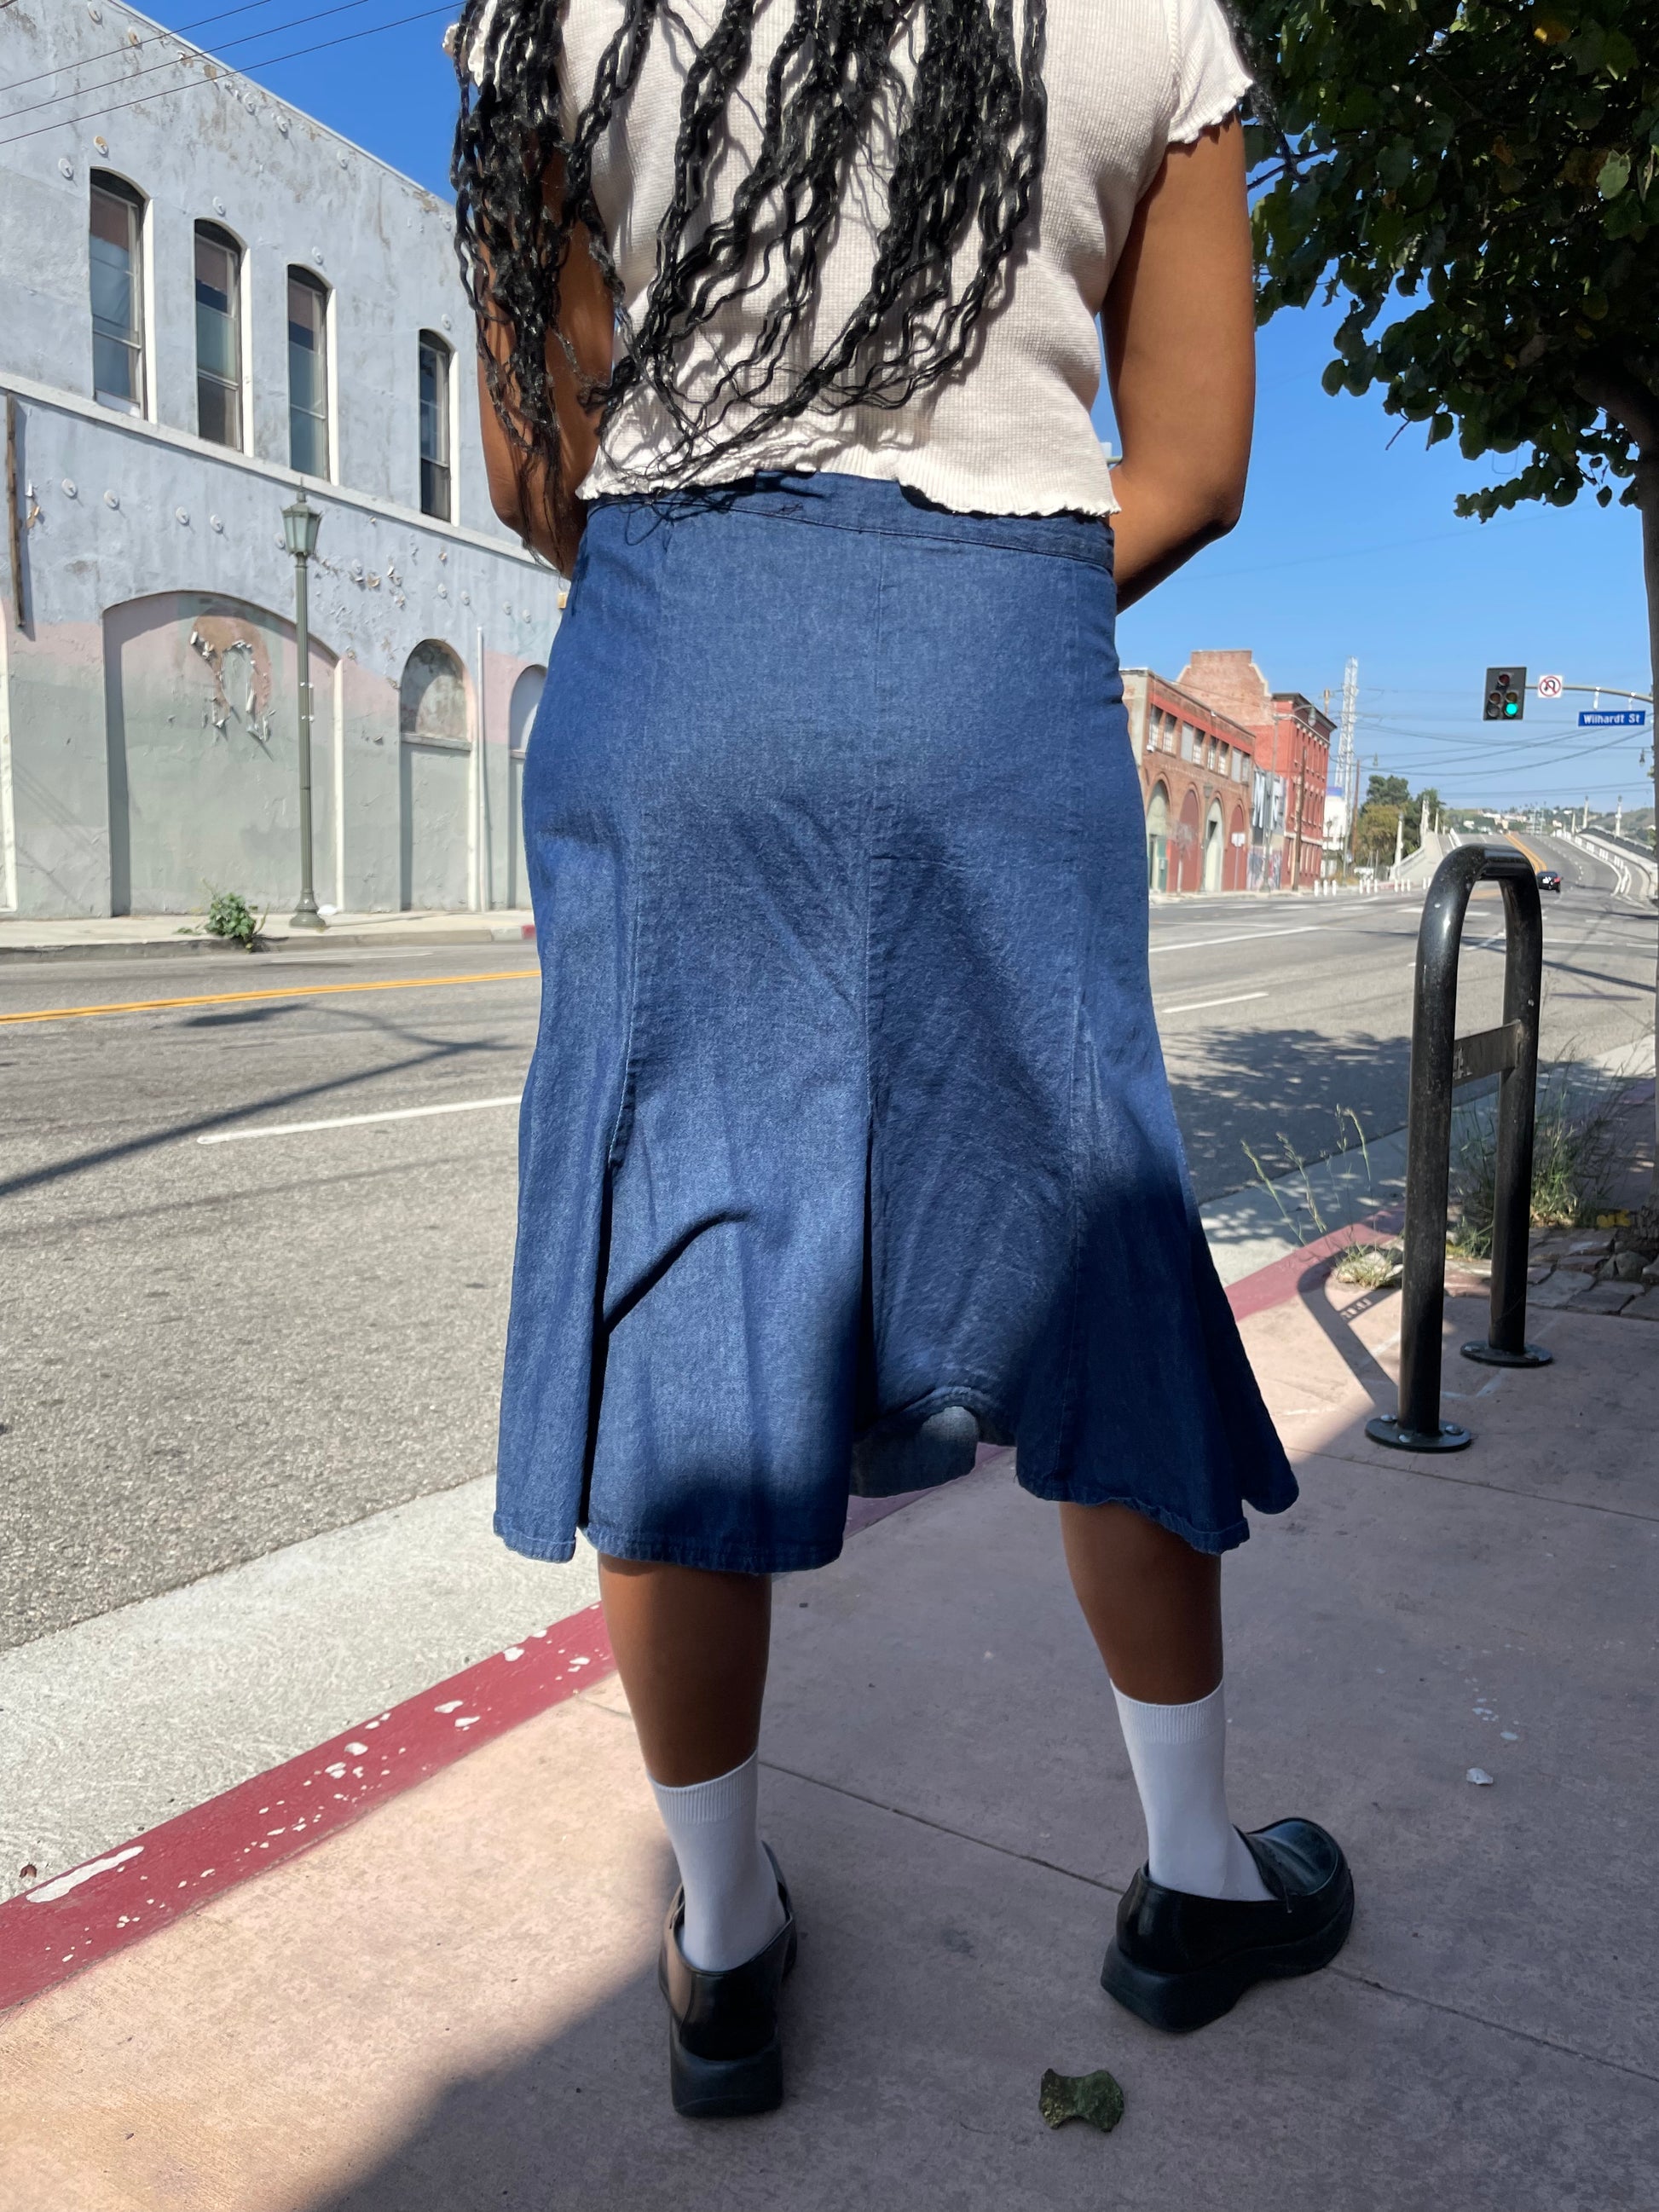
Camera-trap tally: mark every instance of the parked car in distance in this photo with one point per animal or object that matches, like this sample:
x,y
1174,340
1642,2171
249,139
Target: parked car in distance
x,y
1549,879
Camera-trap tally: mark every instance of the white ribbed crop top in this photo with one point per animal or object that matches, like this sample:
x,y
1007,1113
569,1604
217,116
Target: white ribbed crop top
x,y
1009,432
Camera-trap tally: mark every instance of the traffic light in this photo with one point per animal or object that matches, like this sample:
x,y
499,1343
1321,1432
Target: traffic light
x,y
1506,695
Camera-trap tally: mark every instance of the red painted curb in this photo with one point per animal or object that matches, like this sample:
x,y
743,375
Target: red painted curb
x,y
60,1926
64,1925
1281,1280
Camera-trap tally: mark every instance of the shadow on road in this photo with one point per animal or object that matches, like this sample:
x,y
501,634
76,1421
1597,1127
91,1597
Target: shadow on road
x,y
435,1053
1283,1092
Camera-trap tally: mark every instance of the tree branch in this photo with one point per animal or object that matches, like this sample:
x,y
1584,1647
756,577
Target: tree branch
x,y
1631,402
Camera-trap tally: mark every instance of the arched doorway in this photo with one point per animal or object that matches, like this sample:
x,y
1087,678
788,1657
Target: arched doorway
x,y
1213,846
200,707
1237,851
8,821
520,719
434,762
1189,859
1157,839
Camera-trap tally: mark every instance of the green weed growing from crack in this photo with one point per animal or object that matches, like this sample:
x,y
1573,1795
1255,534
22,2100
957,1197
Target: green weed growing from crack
x,y
1572,1154
1373,1264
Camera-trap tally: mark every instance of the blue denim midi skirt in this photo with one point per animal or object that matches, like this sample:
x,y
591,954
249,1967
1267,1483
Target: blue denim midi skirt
x,y
846,1142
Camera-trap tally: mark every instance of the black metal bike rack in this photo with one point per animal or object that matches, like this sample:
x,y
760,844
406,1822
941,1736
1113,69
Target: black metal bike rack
x,y
1440,1061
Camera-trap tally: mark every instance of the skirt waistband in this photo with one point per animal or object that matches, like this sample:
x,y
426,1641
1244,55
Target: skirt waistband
x,y
878,506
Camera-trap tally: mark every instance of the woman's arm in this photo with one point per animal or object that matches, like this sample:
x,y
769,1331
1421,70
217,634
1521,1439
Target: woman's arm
x,y
519,490
1180,326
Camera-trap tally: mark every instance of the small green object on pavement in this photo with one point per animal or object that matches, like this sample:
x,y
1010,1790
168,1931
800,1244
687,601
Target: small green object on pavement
x,y
1096,2097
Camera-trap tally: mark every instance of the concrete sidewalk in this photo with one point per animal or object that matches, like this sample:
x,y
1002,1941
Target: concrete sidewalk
x,y
154,936
145,936
452,2005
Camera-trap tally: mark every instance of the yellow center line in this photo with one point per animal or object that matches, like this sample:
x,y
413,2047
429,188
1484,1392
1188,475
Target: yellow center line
x,y
293,991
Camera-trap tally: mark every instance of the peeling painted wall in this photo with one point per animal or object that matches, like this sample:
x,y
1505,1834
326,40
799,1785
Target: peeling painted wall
x,y
137,766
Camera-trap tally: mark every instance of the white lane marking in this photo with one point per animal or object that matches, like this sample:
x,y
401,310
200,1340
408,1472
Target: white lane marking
x,y
356,1121
1238,937
1363,910
1198,1005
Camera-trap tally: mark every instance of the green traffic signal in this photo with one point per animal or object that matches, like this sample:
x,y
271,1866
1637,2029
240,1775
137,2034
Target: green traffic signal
x,y
1506,695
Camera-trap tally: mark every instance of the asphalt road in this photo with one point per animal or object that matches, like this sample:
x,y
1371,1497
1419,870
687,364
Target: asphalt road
x,y
214,1348
1329,1037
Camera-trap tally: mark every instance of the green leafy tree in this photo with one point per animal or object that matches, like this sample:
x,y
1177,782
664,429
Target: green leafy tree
x,y
1388,791
1480,181
1374,834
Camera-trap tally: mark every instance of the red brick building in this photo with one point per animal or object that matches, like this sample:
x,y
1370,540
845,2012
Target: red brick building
x,y
1291,741
1197,769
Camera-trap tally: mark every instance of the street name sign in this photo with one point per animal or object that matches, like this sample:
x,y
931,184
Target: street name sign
x,y
1613,718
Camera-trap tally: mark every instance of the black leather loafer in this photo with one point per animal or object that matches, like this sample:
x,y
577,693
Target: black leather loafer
x,y
724,2055
1181,1961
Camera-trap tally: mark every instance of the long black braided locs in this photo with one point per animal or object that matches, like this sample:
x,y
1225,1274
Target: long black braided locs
x,y
961,134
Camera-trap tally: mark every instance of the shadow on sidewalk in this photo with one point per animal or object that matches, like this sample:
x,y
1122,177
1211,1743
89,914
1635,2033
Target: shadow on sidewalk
x,y
1487,2039
450,2007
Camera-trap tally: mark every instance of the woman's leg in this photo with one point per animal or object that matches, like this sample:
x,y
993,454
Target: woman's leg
x,y
1153,1605
691,1648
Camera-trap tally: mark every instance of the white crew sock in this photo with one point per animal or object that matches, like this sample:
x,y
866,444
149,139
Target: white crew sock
x,y
1179,1756
732,1908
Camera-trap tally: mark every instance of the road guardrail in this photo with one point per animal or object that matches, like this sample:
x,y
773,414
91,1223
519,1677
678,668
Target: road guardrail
x,y
1441,1061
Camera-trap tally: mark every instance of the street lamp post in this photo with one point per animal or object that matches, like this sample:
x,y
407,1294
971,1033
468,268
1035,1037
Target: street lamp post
x,y
301,523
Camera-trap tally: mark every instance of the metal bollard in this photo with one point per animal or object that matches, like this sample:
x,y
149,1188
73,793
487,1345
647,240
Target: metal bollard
x,y
1441,1061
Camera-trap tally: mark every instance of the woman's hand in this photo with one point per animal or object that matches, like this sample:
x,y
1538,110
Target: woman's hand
x,y
1180,327
519,489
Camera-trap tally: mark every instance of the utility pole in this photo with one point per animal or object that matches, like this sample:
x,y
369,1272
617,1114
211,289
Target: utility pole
x,y
1347,762
1399,839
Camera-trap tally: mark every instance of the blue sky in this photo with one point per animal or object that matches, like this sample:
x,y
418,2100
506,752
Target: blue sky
x,y
1348,544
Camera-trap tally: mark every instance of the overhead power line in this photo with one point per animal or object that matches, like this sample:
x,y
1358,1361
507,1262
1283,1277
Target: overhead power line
x,y
134,45
1357,552
177,61
267,61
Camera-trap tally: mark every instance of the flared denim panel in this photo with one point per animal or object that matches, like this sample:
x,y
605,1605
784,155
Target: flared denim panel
x,y
847,1141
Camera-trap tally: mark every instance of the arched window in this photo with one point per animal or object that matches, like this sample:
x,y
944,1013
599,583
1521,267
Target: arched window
x,y
116,247
1158,839
218,337
308,374
432,697
521,710
435,365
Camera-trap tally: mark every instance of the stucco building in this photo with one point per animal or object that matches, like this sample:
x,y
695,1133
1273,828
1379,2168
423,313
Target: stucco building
x,y
1197,783
206,298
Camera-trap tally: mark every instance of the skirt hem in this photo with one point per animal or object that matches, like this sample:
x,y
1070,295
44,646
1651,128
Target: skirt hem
x,y
1056,1491
713,1559
531,1544
799,1558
